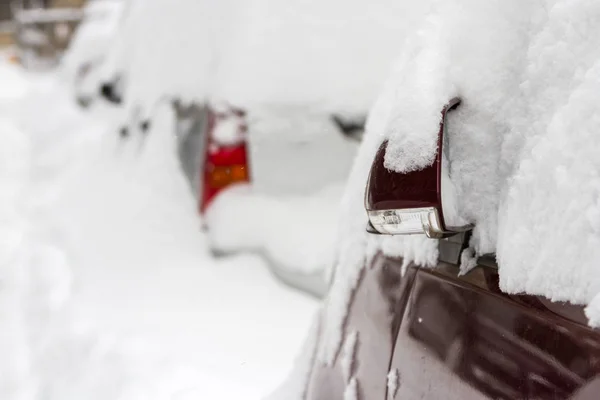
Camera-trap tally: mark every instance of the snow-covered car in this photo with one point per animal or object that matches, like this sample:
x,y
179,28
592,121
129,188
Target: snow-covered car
x,y
232,175
84,60
295,139
292,182
467,257
267,109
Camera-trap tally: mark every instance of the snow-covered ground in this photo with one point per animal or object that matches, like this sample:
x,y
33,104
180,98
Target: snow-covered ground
x,y
109,291
295,234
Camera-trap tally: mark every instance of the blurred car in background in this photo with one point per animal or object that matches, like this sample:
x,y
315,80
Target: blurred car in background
x,y
211,147
92,42
268,101
295,184
224,165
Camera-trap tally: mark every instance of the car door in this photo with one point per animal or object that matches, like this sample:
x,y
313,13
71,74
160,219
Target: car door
x,y
360,370
462,338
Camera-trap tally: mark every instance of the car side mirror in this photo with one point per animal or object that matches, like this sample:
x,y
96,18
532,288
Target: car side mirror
x,y
412,202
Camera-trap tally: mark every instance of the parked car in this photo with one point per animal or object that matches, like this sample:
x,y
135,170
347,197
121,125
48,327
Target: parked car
x,y
212,148
445,332
223,164
285,144
292,181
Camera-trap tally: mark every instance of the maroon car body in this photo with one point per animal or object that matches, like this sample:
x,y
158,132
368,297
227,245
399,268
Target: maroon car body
x,y
441,336
432,333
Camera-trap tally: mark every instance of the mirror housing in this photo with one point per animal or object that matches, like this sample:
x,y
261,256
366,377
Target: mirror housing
x,y
410,203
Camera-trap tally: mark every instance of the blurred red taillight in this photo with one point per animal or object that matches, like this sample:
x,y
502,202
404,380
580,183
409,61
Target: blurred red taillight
x,y
225,163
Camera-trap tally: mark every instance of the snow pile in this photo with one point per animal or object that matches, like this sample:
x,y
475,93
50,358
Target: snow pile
x,y
14,347
137,236
14,84
295,233
296,151
166,48
45,352
84,215
95,35
330,55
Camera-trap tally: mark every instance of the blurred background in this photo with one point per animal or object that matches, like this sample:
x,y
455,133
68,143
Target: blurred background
x,y
171,174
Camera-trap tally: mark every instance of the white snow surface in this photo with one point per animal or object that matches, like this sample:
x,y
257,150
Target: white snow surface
x,y
108,291
296,151
228,132
95,35
329,55
523,144
296,233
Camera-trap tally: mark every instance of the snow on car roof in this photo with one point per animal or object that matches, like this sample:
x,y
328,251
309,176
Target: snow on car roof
x,y
331,54
96,33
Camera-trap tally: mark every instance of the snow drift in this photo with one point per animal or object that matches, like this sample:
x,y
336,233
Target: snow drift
x,y
85,215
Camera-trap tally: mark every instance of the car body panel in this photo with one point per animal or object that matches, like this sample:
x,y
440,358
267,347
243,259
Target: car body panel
x,y
191,123
441,336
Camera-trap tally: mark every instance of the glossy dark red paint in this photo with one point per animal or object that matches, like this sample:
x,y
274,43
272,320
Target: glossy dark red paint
x,y
465,330
389,190
392,190
450,337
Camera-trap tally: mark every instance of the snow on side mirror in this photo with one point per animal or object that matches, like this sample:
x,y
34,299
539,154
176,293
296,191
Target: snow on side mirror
x,y
417,202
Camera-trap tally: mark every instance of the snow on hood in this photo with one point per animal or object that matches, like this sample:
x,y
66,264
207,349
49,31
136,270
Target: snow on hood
x,y
523,144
